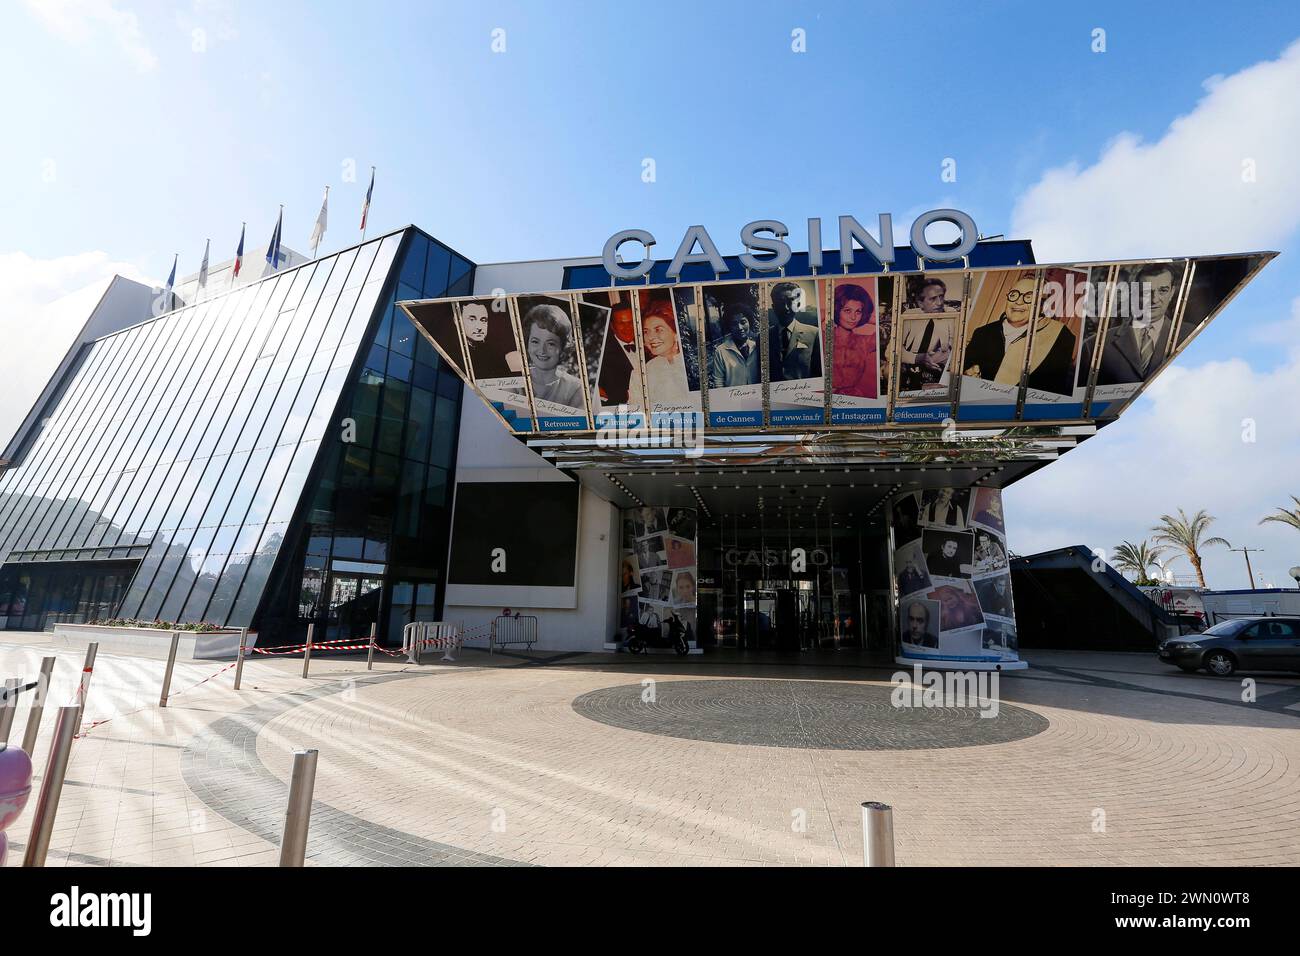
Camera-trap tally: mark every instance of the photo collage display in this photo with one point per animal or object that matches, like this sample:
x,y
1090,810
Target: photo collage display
x,y
823,351
658,579
952,575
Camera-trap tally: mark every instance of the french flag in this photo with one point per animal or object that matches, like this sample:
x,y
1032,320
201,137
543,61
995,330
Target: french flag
x,y
365,208
239,253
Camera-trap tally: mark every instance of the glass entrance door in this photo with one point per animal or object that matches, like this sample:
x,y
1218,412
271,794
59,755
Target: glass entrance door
x,y
353,604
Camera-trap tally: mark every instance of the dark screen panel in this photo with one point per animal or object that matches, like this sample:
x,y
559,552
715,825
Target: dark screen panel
x,y
535,523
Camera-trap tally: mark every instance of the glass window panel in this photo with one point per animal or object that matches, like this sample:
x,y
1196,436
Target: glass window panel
x,y
389,436
435,271
348,546
360,271
204,585
184,493
143,577
404,336
227,586
269,487
384,258
301,278
248,483
303,404
444,432
413,263
213,475
294,482
425,376
419,424
250,592
326,402
362,315
399,367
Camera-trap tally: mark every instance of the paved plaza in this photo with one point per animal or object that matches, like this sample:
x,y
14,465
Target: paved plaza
x,y
554,759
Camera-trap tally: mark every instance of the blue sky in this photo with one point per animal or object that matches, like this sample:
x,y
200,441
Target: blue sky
x,y
537,152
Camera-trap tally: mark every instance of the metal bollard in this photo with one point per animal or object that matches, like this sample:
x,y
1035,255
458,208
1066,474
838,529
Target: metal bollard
x,y
306,651
37,710
239,658
83,689
877,834
297,816
47,804
167,674
9,707
370,651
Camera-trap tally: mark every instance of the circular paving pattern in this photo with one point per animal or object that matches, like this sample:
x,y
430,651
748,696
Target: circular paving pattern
x,y
808,715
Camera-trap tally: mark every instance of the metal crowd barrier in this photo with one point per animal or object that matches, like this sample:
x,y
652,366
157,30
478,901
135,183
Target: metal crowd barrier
x,y
422,634
513,629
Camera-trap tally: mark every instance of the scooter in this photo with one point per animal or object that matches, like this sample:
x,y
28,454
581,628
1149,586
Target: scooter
x,y
646,636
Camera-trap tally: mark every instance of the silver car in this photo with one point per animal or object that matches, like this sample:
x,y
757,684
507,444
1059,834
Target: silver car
x,y
1248,644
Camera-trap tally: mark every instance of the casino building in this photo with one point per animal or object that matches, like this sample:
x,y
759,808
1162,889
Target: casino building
x,y
725,461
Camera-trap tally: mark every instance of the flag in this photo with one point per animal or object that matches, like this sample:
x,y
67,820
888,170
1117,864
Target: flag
x,y
365,207
203,267
273,250
170,296
239,253
318,231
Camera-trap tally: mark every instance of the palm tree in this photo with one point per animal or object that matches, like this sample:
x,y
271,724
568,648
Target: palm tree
x,y
1282,516
1136,559
1186,534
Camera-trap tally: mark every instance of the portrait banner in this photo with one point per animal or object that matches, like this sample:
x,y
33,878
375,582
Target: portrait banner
x,y
796,388
670,356
554,359
1051,390
859,391
928,323
733,354
609,327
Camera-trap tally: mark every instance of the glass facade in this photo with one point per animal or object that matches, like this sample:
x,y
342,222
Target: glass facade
x,y
371,544
183,448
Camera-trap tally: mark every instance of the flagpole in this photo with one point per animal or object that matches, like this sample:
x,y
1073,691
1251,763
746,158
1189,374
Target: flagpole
x,y
203,269
238,253
366,224
315,248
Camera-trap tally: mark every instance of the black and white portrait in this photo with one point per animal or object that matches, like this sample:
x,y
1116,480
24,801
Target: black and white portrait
x,y
919,623
995,596
948,554
944,507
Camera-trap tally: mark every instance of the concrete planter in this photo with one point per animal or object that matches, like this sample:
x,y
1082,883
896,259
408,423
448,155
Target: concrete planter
x,y
213,646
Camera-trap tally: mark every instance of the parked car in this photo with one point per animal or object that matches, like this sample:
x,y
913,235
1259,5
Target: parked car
x,y
1248,644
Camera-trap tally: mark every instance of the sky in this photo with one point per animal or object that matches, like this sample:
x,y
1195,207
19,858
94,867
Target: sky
x,y
137,130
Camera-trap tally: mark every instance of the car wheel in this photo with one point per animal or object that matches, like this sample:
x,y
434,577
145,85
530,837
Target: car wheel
x,y
1220,663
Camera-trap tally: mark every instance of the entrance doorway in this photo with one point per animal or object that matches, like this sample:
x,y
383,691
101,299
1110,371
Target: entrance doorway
x,y
353,604
802,583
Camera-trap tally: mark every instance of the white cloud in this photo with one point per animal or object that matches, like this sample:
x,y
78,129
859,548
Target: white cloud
x,y
83,21
1183,194
1181,445
43,305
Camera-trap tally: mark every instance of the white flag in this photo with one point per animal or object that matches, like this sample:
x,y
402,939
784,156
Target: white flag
x,y
203,268
318,231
